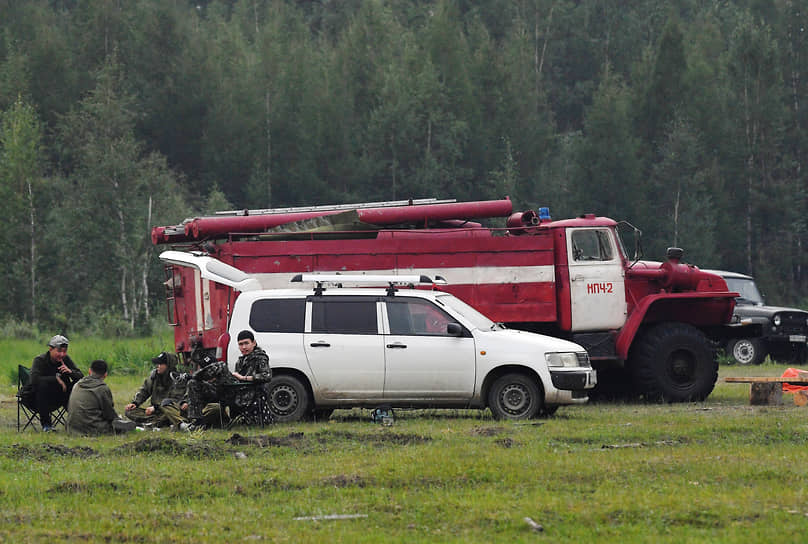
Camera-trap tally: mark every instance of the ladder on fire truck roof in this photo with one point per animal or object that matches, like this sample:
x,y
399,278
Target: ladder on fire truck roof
x,y
337,207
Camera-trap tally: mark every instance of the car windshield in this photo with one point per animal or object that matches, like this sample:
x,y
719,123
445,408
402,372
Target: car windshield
x,y
747,289
476,318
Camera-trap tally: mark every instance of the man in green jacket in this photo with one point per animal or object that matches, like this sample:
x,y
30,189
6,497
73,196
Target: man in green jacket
x,y
167,392
91,410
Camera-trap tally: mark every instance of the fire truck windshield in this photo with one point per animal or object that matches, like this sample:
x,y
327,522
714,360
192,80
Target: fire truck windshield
x,y
624,227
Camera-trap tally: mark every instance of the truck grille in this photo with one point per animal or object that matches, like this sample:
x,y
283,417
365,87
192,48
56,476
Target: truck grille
x,y
793,323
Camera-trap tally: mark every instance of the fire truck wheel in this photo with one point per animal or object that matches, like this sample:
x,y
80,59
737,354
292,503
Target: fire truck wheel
x,y
746,351
514,396
674,362
288,398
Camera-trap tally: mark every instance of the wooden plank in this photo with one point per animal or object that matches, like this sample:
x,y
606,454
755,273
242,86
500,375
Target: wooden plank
x,y
766,379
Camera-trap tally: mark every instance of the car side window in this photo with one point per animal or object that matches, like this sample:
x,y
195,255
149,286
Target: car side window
x,y
278,315
416,317
591,245
337,316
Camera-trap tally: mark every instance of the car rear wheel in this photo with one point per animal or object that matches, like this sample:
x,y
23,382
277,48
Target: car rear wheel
x,y
746,351
515,396
288,398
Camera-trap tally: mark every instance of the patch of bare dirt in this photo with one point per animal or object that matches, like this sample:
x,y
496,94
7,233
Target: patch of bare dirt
x,y
378,439
341,480
263,441
46,451
85,488
505,442
487,431
195,450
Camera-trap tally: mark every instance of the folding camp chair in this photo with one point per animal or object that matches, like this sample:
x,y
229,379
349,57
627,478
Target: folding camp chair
x,y
258,412
26,403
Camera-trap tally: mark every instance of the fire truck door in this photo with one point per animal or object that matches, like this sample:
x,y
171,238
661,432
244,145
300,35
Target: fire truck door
x,y
597,286
344,348
422,360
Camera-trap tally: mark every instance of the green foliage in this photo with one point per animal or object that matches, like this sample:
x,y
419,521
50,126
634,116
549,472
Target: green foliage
x,y
125,355
18,330
580,106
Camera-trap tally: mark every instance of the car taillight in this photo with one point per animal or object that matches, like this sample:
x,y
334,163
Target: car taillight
x,y
221,347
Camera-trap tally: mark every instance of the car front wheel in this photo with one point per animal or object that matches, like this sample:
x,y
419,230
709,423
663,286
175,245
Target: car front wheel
x,y
515,396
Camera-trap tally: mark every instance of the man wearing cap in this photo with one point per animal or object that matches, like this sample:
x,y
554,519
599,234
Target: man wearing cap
x,y
52,377
167,394
206,391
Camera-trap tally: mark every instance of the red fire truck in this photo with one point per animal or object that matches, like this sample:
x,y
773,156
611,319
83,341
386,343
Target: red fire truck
x,y
650,328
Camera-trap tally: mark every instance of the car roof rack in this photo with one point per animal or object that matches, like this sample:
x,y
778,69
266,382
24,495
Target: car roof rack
x,y
391,280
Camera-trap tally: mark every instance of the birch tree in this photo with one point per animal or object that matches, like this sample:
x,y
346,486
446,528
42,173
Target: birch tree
x,y
118,185
21,168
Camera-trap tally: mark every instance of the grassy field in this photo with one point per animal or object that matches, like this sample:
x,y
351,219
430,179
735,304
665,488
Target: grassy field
x,y
718,471
124,355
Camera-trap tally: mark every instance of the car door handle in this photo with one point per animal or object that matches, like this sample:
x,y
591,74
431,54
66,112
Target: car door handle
x,y
320,345
397,345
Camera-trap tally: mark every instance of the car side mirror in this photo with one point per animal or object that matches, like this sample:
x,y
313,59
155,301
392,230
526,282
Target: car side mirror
x,y
454,329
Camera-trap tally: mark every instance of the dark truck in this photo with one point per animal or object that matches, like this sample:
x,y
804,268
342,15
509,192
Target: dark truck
x,y
770,330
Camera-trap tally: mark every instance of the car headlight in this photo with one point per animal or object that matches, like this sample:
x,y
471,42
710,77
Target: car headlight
x,y
777,321
567,359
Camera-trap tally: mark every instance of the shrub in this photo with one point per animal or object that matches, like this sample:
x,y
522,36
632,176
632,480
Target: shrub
x,y
21,330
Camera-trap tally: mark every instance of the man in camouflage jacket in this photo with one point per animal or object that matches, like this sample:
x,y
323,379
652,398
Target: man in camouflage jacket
x,y
214,385
166,391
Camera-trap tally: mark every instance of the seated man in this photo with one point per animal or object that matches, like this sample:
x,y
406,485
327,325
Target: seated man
x,y
167,394
206,390
91,410
214,384
251,367
52,377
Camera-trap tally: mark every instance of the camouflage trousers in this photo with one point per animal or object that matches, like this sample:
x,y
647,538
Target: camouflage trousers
x,y
163,416
218,403
203,395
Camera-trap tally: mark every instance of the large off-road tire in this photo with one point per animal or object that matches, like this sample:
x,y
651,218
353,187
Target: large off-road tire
x,y
288,399
746,351
515,396
673,362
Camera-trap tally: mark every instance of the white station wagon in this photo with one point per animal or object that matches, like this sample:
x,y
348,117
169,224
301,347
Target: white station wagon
x,y
341,347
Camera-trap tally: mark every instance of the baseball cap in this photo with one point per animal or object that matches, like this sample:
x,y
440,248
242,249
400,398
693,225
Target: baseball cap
x,y
58,341
161,359
206,360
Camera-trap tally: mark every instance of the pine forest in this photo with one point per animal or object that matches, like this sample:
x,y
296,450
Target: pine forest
x,y
687,118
